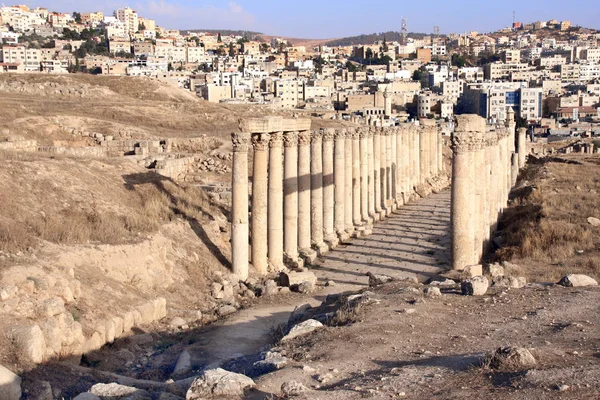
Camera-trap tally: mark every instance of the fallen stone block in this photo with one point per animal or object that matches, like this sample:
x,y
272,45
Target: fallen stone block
x,y
577,280
218,382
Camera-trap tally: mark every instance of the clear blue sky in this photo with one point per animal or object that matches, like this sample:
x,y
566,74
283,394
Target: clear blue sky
x,y
335,18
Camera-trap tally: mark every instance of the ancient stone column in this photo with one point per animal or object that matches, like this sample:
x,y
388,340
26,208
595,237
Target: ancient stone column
x,y
468,134
371,175
478,191
316,193
514,168
394,168
239,209
290,200
383,168
417,156
275,206
434,151
424,150
356,215
399,167
260,188
340,184
348,206
440,153
522,147
388,172
328,190
304,193
364,174
377,171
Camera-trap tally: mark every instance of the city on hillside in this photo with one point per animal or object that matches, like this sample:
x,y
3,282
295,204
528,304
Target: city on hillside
x,y
547,71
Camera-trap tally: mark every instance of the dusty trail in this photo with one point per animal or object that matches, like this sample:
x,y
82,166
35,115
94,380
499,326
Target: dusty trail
x,y
413,242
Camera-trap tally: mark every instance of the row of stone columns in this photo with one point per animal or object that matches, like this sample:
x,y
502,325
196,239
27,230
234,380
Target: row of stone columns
x,y
484,169
311,190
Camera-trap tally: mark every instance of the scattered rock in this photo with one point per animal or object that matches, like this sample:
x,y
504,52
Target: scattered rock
x,y
304,287
302,328
219,382
113,391
443,283
378,279
10,385
271,288
293,278
577,280
52,307
30,343
226,310
509,282
293,388
595,222
362,298
178,322
476,286
512,358
330,283
432,291
495,270
272,361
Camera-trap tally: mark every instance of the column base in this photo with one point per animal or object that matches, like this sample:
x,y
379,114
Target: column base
x,y
363,231
367,221
350,230
320,248
309,256
382,214
332,241
294,262
343,237
276,266
375,216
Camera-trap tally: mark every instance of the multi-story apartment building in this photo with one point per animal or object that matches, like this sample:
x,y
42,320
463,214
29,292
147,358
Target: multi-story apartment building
x,y
591,55
500,71
531,104
92,19
171,53
129,18
491,100
290,92
29,58
512,56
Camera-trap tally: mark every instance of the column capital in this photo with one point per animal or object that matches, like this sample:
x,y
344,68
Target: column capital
x,y
374,131
290,139
260,141
316,137
276,139
522,131
328,134
384,132
352,133
240,142
490,139
304,138
364,133
340,134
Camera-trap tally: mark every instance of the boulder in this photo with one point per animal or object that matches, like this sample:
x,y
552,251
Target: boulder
x,y
293,278
577,280
473,270
378,279
432,291
595,222
10,385
30,343
495,270
476,286
293,388
509,282
52,307
218,382
512,358
114,391
303,328
305,287
272,361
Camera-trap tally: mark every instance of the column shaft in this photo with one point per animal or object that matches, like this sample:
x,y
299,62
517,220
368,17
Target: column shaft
x,y
328,189
348,207
377,170
316,192
340,183
260,187
275,206
290,198
371,174
356,216
304,193
364,174
239,210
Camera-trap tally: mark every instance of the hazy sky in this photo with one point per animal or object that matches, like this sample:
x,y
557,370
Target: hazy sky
x,y
334,18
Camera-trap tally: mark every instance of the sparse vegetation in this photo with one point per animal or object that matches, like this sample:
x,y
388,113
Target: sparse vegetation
x,y
547,229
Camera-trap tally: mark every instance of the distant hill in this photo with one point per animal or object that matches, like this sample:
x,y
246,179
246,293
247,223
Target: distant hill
x,y
226,32
390,36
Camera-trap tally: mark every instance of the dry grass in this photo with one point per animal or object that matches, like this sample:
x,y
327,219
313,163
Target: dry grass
x,y
81,211
547,229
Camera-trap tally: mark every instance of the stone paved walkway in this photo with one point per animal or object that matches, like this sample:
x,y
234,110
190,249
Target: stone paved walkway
x,y
414,241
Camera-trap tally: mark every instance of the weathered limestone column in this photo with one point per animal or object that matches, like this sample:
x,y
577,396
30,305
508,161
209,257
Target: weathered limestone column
x,y
364,175
328,189
478,190
487,191
417,156
423,150
514,168
440,153
339,177
304,193
388,171
316,193
468,134
434,151
356,215
399,167
290,200
522,146
371,174
239,209
260,188
377,171
348,207
394,168
275,211
383,168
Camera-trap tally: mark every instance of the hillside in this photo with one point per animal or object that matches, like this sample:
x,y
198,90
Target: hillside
x,y
390,36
